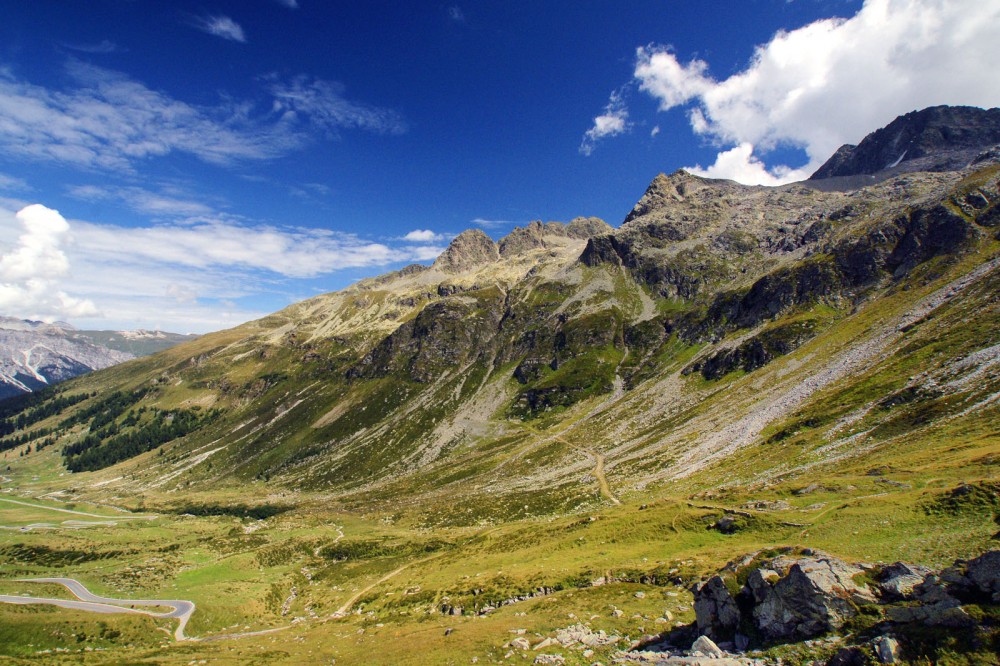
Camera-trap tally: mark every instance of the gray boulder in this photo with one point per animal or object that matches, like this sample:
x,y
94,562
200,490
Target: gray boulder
x,y
816,596
936,608
715,610
983,574
707,647
896,581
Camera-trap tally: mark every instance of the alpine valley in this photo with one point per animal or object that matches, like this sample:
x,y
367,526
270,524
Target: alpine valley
x,y
538,450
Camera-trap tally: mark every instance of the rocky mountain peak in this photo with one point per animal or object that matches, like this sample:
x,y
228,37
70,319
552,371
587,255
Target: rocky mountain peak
x,y
587,227
470,249
938,138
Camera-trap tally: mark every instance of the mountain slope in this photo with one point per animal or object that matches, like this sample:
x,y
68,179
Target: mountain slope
x,y
511,371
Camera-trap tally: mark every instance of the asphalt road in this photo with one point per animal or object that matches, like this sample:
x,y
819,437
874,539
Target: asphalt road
x,y
182,609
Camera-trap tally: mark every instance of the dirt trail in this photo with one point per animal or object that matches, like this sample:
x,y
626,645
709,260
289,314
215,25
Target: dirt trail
x,y
346,608
602,480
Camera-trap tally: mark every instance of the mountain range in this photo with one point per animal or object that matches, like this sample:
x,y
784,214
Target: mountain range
x,y
808,362
35,354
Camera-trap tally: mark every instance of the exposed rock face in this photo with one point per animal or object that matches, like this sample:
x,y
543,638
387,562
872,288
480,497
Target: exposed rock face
x,y
939,138
470,249
896,581
716,612
815,596
587,227
524,239
539,235
984,573
789,599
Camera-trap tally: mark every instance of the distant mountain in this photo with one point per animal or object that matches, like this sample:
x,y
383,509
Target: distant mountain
x,y
36,354
935,139
139,342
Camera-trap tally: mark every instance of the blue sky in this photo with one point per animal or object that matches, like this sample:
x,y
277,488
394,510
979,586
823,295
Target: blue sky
x,y
214,161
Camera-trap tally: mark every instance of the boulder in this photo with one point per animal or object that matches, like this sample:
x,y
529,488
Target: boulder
x,y
983,574
716,612
707,647
886,649
896,581
816,596
936,608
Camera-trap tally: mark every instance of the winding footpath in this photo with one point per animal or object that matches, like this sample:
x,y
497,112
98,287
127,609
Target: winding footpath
x,y
182,609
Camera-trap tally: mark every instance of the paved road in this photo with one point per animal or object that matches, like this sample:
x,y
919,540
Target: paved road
x,y
182,609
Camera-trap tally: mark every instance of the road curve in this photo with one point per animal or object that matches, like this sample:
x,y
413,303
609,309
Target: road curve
x,y
182,609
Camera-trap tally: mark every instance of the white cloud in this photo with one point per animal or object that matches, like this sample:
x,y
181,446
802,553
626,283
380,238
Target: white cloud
x,y
221,26
740,165
835,80
494,224
109,121
613,121
323,102
31,271
142,200
102,47
456,14
291,4
12,183
205,243
653,132
424,236
198,274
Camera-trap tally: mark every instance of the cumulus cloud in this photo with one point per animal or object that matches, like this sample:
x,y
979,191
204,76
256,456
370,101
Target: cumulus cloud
x,y
739,164
424,236
221,26
832,81
613,121
30,272
109,121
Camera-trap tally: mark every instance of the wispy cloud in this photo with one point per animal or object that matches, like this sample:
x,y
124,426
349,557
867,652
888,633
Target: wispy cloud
x,y
613,121
109,121
142,200
456,14
832,81
291,4
103,46
187,275
324,104
494,224
13,183
220,26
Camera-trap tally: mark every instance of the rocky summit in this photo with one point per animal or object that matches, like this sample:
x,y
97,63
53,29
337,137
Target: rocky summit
x,y
545,448
939,138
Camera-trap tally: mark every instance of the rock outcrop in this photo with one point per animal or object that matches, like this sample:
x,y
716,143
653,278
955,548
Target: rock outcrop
x,y
795,598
